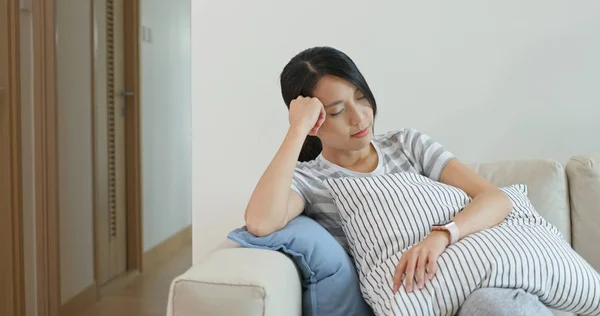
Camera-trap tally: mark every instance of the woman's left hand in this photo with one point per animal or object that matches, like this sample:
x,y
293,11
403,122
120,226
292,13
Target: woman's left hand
x,y
421,257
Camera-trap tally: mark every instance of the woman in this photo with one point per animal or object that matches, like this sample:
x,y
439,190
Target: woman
x,y
331,114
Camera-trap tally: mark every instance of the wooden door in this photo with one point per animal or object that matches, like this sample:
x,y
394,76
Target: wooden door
x,y
11,272
110,110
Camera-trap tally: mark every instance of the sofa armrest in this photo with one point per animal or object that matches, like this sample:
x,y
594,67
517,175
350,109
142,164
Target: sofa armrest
x,y
583,173
238,281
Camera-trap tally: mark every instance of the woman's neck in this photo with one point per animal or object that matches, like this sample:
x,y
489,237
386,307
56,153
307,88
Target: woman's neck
x,y
364,160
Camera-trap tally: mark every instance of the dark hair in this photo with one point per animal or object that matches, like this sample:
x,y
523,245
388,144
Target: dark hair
x,y
300,76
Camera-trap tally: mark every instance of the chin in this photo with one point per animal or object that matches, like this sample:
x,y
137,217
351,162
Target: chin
x,y
360,143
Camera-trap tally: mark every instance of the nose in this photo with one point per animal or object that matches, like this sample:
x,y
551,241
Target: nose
x,y
356,116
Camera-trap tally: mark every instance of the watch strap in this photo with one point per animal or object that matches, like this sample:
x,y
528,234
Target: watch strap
x,y
451,228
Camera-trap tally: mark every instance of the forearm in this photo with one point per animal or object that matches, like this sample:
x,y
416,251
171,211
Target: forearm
x,y
267,207
486,210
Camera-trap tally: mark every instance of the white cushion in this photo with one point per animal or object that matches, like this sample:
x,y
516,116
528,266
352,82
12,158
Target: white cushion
x,y
384,216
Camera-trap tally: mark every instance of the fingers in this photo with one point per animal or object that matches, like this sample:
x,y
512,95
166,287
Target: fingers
x,y
320,120
398,274
421,265
322,117
314,130
431,266
418,266
410,272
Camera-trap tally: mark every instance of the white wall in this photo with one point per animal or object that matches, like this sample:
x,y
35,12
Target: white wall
x,y
166,120
490,80
74,97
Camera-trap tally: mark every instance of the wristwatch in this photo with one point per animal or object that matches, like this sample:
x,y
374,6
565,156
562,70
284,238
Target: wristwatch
x,y
449,227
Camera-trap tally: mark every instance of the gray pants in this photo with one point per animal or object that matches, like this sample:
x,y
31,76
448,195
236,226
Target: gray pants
x,y
502,302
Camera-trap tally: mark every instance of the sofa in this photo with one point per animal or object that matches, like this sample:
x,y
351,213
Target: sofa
x,y
232,280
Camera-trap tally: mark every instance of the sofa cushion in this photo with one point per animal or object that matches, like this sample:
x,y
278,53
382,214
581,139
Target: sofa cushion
x,y
546,182
384,216
584,188
329,279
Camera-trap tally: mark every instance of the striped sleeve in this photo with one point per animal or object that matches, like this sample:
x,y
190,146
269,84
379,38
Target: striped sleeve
x,y
300,185
428,155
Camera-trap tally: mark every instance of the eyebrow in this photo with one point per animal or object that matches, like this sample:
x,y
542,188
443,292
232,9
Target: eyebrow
x,y
339,101
334,103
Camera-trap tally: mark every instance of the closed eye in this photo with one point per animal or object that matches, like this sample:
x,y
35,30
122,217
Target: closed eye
x,y
338,113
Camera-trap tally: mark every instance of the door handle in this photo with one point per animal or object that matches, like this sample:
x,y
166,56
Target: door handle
x,y
125,93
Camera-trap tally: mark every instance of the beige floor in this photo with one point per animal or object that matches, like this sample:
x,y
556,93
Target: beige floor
x,y
144,294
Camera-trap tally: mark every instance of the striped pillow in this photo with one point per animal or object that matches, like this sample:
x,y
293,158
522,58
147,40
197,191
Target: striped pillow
x,y
384,216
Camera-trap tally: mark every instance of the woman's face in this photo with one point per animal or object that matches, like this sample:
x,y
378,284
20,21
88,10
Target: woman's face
x,y
349,121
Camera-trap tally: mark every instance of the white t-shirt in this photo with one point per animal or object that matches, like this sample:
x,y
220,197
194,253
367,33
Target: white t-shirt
x,y
406,150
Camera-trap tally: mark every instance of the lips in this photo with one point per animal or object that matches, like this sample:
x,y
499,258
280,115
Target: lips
x,y
361,133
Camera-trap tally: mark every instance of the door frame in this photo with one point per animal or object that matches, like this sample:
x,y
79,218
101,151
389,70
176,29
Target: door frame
x,y
13,192
133,187
133,160
45,158
46,154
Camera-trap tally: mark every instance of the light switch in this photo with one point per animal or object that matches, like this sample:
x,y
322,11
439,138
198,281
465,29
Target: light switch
x,y
146,34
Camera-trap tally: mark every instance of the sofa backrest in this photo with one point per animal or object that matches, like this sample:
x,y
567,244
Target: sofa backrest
x,y
546,182
583,173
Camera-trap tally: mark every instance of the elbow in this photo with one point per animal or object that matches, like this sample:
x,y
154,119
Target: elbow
x,y
504,201
257,229
498,202
257,226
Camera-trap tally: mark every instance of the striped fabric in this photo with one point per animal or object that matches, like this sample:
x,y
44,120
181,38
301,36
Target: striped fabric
x,y
405,150
384,216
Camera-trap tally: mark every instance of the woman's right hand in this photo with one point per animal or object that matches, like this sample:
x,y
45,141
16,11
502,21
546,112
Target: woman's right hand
x,y
307,114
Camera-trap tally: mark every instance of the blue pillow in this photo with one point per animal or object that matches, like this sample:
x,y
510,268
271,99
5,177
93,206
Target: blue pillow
x,y
329,279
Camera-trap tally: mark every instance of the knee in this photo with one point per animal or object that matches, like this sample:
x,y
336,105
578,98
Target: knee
x,y
498,301
487,301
